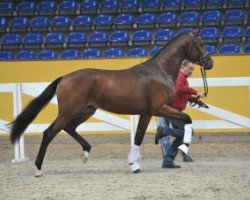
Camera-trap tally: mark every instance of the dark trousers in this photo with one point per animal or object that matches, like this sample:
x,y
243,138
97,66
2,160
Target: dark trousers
x,y
177,131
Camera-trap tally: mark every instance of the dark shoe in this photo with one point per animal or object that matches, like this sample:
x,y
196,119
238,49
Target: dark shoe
x,y
170,164
187,158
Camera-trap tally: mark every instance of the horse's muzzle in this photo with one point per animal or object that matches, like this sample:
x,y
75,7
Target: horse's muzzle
x,y
206,61
209,64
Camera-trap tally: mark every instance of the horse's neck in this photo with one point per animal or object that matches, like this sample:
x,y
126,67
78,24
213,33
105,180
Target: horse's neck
x,y
170,58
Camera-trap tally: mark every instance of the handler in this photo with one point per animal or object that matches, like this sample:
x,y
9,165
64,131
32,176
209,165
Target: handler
x,y
176,128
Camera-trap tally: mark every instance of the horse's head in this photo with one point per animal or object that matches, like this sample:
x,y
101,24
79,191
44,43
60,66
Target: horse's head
x,y
196,51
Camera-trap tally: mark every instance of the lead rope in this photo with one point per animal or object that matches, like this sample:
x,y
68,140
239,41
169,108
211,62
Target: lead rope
x,y
204,79
205,86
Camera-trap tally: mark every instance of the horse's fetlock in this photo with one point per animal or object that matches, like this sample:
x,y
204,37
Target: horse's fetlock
x,y
87,148
38,165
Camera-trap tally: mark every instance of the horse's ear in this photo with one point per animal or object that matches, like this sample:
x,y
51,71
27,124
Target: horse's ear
x,y
196,32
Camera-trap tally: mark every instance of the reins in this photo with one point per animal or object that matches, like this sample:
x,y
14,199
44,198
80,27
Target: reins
x,y
204,79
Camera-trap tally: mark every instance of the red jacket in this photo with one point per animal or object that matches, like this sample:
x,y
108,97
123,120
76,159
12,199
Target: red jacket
x,y
184,92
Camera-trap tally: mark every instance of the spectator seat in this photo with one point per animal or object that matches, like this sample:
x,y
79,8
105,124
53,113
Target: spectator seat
x,y
236,3
142,38
3,24
229,49
103,22
54,40
183,31
11,41
150,5
26,55
47,55
114,53
211,18
119,38
171,5
47,8
89,7
234,17
146,20
189,18
214,4
210,34
167,19
70,54
60,23
40,23
92,53
98,38
232,34
67,7
6,8
109,6
6,55
26,8
163,36
32,41
19,24
76,40
124,21
192,4
211,49
83,22
129,6
137,52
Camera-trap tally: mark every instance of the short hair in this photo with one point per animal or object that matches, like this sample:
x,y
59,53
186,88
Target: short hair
x,y
185,63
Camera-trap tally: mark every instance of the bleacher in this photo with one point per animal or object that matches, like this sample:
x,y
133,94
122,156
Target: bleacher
x,y
74,29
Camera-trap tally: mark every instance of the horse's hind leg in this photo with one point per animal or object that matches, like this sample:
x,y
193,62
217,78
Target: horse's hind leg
x,y
48,136
71,130
135,148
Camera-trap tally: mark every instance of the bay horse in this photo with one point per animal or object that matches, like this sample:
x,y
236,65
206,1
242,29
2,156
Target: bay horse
x,y
145,89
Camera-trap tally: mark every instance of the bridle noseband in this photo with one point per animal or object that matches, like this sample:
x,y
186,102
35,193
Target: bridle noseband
x,y
203,60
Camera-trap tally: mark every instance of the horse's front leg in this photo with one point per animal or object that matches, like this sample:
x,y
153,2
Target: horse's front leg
x,y
135,148
170,112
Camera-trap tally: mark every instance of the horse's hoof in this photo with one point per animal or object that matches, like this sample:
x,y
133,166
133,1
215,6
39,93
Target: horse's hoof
x,y
134,167
39,173
85,156
137,171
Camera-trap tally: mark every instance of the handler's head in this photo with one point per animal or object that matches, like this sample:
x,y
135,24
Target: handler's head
x,y
187,67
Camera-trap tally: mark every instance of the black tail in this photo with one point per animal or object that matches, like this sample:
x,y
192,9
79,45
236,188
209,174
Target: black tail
x,y
31,111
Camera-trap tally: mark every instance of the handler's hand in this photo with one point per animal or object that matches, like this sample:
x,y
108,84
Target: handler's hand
x,y
200,94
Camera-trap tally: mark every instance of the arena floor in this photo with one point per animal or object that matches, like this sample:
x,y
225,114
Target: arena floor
x,y
221,170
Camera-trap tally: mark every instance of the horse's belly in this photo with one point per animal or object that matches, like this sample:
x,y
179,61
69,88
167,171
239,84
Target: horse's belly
x,y
124,106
